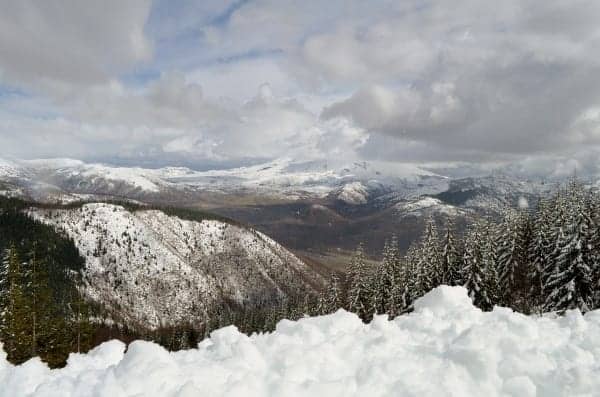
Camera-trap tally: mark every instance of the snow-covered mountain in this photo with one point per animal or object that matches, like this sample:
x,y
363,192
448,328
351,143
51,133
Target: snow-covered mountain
x,y
153,269
364,201
285,178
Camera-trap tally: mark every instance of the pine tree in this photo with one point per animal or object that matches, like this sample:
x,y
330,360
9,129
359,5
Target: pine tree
x,y
593,208
4,296
385,278
556,241
410,275
359,288
334,297
16,332
450,258
572,285
429,263
538,255
508,258
473,271
489,260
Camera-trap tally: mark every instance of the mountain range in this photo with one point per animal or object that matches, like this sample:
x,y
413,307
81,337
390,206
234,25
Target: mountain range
x,y
312,207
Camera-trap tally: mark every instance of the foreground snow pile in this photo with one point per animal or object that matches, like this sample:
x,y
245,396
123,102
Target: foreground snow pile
x,y
446,347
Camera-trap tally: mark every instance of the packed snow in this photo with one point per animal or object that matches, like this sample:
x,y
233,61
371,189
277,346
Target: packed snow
x,y
446,347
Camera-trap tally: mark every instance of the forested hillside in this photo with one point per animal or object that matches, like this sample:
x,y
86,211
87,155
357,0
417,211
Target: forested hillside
x,y
41,310
542,259
73,276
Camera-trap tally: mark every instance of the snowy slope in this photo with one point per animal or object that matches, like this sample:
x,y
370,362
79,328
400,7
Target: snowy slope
x,y
9,169
446,347
354,193
427,206
154,269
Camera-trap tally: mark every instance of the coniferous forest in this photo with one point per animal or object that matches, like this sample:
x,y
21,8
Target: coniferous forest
x,y
542,259
41,311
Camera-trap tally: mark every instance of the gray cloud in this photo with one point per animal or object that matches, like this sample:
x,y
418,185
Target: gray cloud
x,y
499,81
510,82
66,42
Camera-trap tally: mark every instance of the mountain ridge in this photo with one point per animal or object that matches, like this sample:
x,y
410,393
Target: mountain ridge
x,y
159,270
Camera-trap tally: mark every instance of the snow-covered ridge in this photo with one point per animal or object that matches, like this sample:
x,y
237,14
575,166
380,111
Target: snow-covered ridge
x,y
156,269
283,177
447,347
354,193
418,207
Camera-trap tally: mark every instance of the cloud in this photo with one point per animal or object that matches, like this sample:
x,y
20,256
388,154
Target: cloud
x,y
171,120
497,79
70,42
510,83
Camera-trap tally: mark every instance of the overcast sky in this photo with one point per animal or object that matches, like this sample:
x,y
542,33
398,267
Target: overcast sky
x,y
215,83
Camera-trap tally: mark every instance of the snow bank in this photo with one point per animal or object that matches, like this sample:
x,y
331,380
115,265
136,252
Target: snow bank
x,y
446,347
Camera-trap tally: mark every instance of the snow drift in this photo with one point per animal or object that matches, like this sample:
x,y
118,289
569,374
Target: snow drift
x,y
446,347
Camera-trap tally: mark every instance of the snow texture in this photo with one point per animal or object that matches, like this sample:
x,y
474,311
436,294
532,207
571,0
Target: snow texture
x,y
447,347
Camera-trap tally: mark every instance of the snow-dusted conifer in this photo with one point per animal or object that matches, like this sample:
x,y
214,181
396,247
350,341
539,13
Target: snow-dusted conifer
x,y
571,286
538,252
333,296
508,256
386,277
429,263
450,258
359,286
473,271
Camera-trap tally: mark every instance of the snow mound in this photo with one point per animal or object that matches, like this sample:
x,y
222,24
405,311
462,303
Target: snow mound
x,y
446,347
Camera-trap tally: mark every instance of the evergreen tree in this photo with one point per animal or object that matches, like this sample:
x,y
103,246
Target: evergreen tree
x,y
16,332
489,259
450,258
4,296
538,252
359,287
473,271
410,276
429,263
508,257
572,285
385,278
334,297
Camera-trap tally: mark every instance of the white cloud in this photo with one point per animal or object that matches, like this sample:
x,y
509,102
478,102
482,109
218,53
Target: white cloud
x,y
515,81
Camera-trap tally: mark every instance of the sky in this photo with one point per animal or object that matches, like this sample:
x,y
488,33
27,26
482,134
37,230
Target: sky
x,y
221,83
